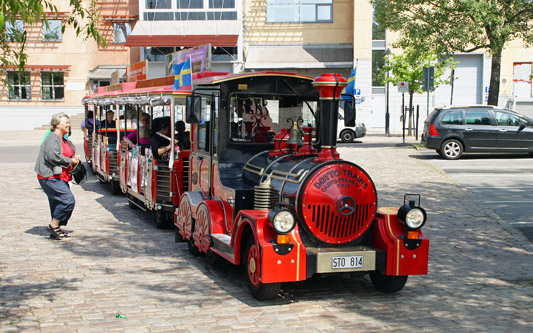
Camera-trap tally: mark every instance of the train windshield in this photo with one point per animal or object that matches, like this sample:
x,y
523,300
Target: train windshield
x,y
259,119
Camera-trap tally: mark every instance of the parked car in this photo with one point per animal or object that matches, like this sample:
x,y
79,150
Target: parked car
x,y
349,134
453,130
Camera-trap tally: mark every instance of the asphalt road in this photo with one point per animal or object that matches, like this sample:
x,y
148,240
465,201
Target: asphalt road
x,y
503,182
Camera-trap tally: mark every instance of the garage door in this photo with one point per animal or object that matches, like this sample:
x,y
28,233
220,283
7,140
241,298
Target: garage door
x,y
468,83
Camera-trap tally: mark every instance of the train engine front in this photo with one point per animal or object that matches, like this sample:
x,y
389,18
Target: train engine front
x,y
323,215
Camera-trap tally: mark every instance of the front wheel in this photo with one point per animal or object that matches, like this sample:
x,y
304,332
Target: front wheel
x,y
388,283
347,136
260,291
451,149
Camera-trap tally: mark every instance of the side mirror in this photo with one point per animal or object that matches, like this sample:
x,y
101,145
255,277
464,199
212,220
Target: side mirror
x,y
349,114
522,126
193,109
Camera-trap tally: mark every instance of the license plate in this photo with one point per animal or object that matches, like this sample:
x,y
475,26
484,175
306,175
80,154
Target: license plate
x,y
347,262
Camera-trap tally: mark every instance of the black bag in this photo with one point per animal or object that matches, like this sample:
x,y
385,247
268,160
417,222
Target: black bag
x,y
79,173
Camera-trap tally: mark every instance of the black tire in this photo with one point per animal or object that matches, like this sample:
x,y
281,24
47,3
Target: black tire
x,y
260,291
178,238
451,149
388,283
162,220
132,205
115,187
347,136
192,248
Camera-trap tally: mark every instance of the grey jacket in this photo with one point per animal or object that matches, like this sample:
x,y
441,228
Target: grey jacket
x,y
51,159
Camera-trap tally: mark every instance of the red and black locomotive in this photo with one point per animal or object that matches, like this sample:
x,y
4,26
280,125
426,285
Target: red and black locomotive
x,y
264,187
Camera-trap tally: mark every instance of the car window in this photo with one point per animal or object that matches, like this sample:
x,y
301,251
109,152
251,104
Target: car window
x,y
453,118
477,118
506,119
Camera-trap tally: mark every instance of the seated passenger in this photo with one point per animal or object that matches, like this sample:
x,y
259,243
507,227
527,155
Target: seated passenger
x,y
87,125
144,133
109,123
160,140
183,136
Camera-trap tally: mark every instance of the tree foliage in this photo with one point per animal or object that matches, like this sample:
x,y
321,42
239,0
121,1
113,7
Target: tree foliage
x,y
409,66
449,26
83,19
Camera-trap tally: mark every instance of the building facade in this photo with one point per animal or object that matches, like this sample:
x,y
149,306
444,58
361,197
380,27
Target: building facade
x,y
309,37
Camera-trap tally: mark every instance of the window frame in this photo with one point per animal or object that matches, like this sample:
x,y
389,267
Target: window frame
x,y
300,6
18,86
203,10
45,30
9,28
53,86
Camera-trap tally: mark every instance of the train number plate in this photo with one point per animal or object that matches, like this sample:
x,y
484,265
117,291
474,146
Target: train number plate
x,y
347,262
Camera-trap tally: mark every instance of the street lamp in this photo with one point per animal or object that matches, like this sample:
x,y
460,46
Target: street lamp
x,y
387,114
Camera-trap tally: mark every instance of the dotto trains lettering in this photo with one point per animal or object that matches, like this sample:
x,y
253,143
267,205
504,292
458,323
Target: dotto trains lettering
x,y
255,188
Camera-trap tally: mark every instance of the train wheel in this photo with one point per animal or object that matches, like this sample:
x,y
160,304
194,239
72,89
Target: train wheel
x,y
387,283
115,187
192,248
259,290
162,220
184,219
178,238
202,229
132,205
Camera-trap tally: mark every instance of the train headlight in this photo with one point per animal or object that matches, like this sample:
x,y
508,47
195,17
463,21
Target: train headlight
x,y
283,220
412,215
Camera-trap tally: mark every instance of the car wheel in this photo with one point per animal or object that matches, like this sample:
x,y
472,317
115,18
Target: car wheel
x,y
451,149
347,136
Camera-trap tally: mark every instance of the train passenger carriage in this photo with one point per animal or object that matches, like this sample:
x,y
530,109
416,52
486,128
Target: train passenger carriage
x,y
267,189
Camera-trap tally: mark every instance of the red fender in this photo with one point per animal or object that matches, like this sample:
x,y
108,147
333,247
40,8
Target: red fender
x,y
388,233
213,223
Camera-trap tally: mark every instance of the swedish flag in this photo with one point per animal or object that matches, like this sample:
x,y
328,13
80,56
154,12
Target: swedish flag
x,y
348,92
183,74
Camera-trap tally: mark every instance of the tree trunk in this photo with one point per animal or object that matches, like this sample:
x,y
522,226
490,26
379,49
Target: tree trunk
x,y
494,86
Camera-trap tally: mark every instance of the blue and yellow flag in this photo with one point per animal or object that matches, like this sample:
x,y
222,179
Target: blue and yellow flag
x,y
348,92
183,74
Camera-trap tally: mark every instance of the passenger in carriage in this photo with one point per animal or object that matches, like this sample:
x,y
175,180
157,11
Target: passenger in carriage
x,y
87,125
109,123
144,134
160,140
183,136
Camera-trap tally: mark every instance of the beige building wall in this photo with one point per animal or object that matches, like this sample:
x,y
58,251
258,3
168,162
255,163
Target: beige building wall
x,y
258,31
82,55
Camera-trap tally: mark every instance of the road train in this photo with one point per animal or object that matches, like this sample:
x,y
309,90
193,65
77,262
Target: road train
x,y
262,184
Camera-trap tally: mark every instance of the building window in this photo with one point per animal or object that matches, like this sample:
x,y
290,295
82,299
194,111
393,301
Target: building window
x,y
158,4
157,53
306,11
121,31
19,86
15,31
378,31
378,74
191,10
52,31
52,86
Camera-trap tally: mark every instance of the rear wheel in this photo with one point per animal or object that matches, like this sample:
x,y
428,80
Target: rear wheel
x,y
451,149
115,187
132,205
259,290
388,283
162,219
347,135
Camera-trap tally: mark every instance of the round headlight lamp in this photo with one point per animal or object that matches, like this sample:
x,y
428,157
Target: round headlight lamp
x,y
413,217
283,220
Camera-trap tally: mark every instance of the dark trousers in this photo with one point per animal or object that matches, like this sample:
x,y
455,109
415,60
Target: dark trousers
x,y
60,198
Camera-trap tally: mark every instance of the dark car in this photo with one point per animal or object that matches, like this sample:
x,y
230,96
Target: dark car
x,y
480,128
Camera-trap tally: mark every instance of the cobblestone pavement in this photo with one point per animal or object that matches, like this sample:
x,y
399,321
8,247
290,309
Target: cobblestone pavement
x,y
480,271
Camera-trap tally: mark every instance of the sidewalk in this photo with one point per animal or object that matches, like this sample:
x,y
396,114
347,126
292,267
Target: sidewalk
x,y
480,274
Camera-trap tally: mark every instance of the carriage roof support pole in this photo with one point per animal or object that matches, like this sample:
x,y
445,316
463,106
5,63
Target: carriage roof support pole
x,y
117,143
172,134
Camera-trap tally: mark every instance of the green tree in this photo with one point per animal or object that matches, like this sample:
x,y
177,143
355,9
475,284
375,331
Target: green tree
x,y
409,67
83,18
448,26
